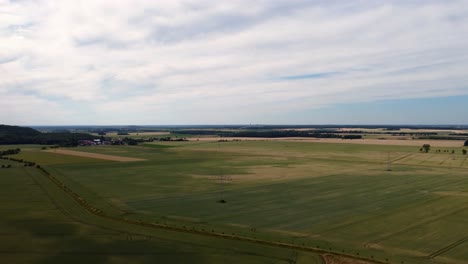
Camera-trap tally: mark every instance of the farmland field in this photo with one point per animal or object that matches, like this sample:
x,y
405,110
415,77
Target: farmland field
x,y
41,224
379,202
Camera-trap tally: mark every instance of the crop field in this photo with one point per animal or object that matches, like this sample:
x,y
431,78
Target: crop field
x,y
379,202
41,224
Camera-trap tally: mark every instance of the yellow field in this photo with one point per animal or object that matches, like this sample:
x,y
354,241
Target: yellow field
x,y
93,155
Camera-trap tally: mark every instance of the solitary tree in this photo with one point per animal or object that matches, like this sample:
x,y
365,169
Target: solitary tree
x,y
426,147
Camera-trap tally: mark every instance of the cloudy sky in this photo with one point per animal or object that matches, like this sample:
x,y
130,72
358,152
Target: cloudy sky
x,y
233,62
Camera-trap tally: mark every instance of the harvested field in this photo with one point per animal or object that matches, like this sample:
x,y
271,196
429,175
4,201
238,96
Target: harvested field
x,y
395,142
390,142
93,155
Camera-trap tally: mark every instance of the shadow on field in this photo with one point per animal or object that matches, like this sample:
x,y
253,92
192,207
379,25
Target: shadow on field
x,y
60,242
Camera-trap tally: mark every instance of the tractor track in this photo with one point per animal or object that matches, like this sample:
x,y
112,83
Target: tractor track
x,y
128,235
84,204
369,244
447,248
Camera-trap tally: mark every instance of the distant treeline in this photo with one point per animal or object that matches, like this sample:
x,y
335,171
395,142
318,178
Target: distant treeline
x,y
269,133
204,132
375,132
283,133
403,133
152,128
458,134
10,135
293,133
122,131
17,131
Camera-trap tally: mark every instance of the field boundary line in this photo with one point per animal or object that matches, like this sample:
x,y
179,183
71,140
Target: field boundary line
x,y
95,211
369,244
463,163
445,160
447,248
371,217
406,193
66,213
400,158
87,190
428,158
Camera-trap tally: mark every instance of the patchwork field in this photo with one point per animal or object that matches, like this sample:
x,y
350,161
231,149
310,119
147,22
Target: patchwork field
x,y
380,202
41,224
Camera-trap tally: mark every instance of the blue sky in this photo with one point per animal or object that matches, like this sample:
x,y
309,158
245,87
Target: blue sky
x,y
437,110
233,62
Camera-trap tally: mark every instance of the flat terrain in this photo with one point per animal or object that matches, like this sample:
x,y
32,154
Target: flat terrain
x,y
366,141
374,201
41,224
93,155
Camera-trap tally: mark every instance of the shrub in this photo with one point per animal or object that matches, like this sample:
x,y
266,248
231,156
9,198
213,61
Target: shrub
x,y
426,148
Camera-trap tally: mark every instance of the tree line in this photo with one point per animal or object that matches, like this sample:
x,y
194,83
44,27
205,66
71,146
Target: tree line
x,y
270,133
10,152
11,135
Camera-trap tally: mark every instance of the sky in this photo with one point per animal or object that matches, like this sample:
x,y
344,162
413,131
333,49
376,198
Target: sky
x,y
233,62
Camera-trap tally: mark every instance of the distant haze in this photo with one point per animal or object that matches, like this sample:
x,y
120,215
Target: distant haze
x,y
233,62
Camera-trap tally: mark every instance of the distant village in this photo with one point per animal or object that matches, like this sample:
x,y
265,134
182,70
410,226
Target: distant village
x,y
123,141
98,141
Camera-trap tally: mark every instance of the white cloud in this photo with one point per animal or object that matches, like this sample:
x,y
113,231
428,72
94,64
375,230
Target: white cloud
x,y
223,61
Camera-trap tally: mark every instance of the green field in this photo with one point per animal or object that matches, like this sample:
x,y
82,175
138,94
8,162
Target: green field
x,y
379,202
41,224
